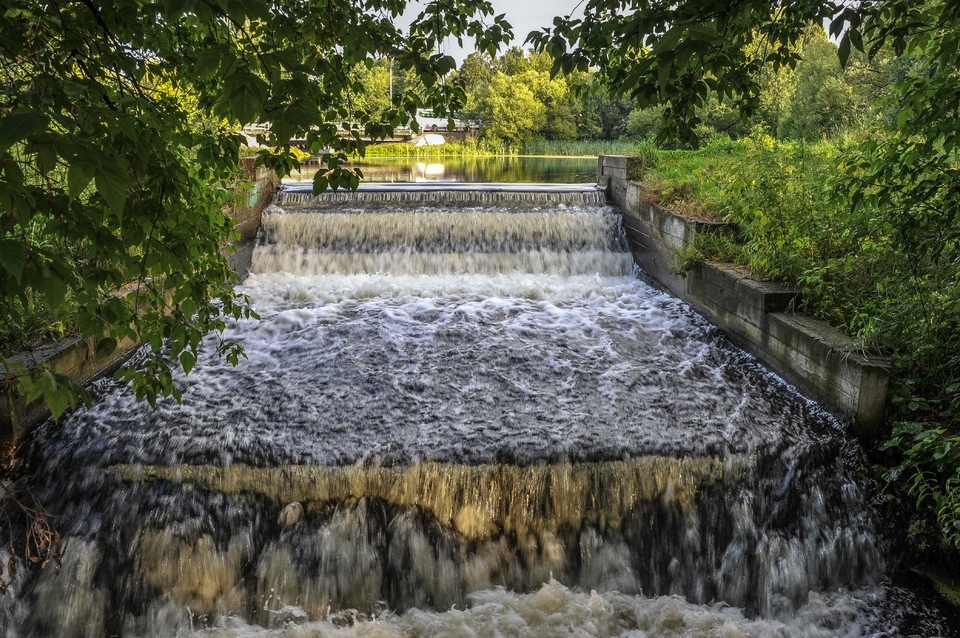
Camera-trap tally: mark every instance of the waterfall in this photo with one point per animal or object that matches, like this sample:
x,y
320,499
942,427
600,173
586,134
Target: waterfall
x,y
425,241
444,195
461,413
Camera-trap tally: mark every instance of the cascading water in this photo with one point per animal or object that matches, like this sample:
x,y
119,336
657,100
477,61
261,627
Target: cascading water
x,y
459,419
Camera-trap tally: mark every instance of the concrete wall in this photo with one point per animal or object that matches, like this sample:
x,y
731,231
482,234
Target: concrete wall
x,y
73,357
77,358
758,316
263,183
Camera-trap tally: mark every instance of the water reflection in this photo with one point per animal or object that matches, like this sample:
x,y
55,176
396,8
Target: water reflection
x,y
551,170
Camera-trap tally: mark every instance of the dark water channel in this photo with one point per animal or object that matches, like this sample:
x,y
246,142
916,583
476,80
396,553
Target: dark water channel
x,y
459,420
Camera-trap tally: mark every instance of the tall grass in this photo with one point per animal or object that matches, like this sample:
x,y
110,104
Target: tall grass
x,y
687,182
578,148
469,147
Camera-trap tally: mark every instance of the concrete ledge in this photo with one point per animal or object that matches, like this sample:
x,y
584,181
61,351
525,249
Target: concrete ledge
x,y
74,357
264,184
445,194
758,316
614,166
731,291
835,372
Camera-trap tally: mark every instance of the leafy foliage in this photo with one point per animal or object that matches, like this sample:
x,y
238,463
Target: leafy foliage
x,y
510,110
676,55
517,99
931,467
908,173
791,203
713,63
118,148
469,147
815,99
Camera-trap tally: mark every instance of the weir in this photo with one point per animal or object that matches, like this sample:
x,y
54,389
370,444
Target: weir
x,y
462,413
405,194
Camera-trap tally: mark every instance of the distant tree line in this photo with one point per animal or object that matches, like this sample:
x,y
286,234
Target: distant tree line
x,y
518,102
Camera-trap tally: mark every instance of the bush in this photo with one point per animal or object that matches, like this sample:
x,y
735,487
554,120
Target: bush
x,y
871,266
644,123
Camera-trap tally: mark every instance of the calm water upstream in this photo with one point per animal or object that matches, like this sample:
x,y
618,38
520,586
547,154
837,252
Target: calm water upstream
x,y
549,170
468,418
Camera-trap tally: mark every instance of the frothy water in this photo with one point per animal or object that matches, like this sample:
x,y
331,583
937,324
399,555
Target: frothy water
x,y
455,422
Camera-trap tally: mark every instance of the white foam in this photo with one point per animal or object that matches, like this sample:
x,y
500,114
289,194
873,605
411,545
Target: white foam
x,y
555,610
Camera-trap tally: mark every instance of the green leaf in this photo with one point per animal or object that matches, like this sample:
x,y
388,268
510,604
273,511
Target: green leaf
x,y
54,289
669,40
13,257
176,8
59,391
187,360
235,10
59,400
20,126
245,94
706,32
78,178
843,51
320,182
857,39
34,389
208,61
113,188
46,158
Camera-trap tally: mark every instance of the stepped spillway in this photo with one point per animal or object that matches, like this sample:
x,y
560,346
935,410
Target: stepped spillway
x,y
462,413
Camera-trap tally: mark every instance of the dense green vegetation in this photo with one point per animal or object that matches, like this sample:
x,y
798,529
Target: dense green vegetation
x,y
791,202
474,147
470,147
579,148
525,110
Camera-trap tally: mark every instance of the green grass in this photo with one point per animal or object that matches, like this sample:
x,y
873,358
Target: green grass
x,y
470,147
578,148
687,182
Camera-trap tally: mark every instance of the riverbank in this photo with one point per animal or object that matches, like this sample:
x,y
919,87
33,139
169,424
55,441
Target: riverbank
x,y
855,269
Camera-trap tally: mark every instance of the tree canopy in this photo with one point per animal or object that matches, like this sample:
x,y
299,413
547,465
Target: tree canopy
x,y
678,55
119,141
